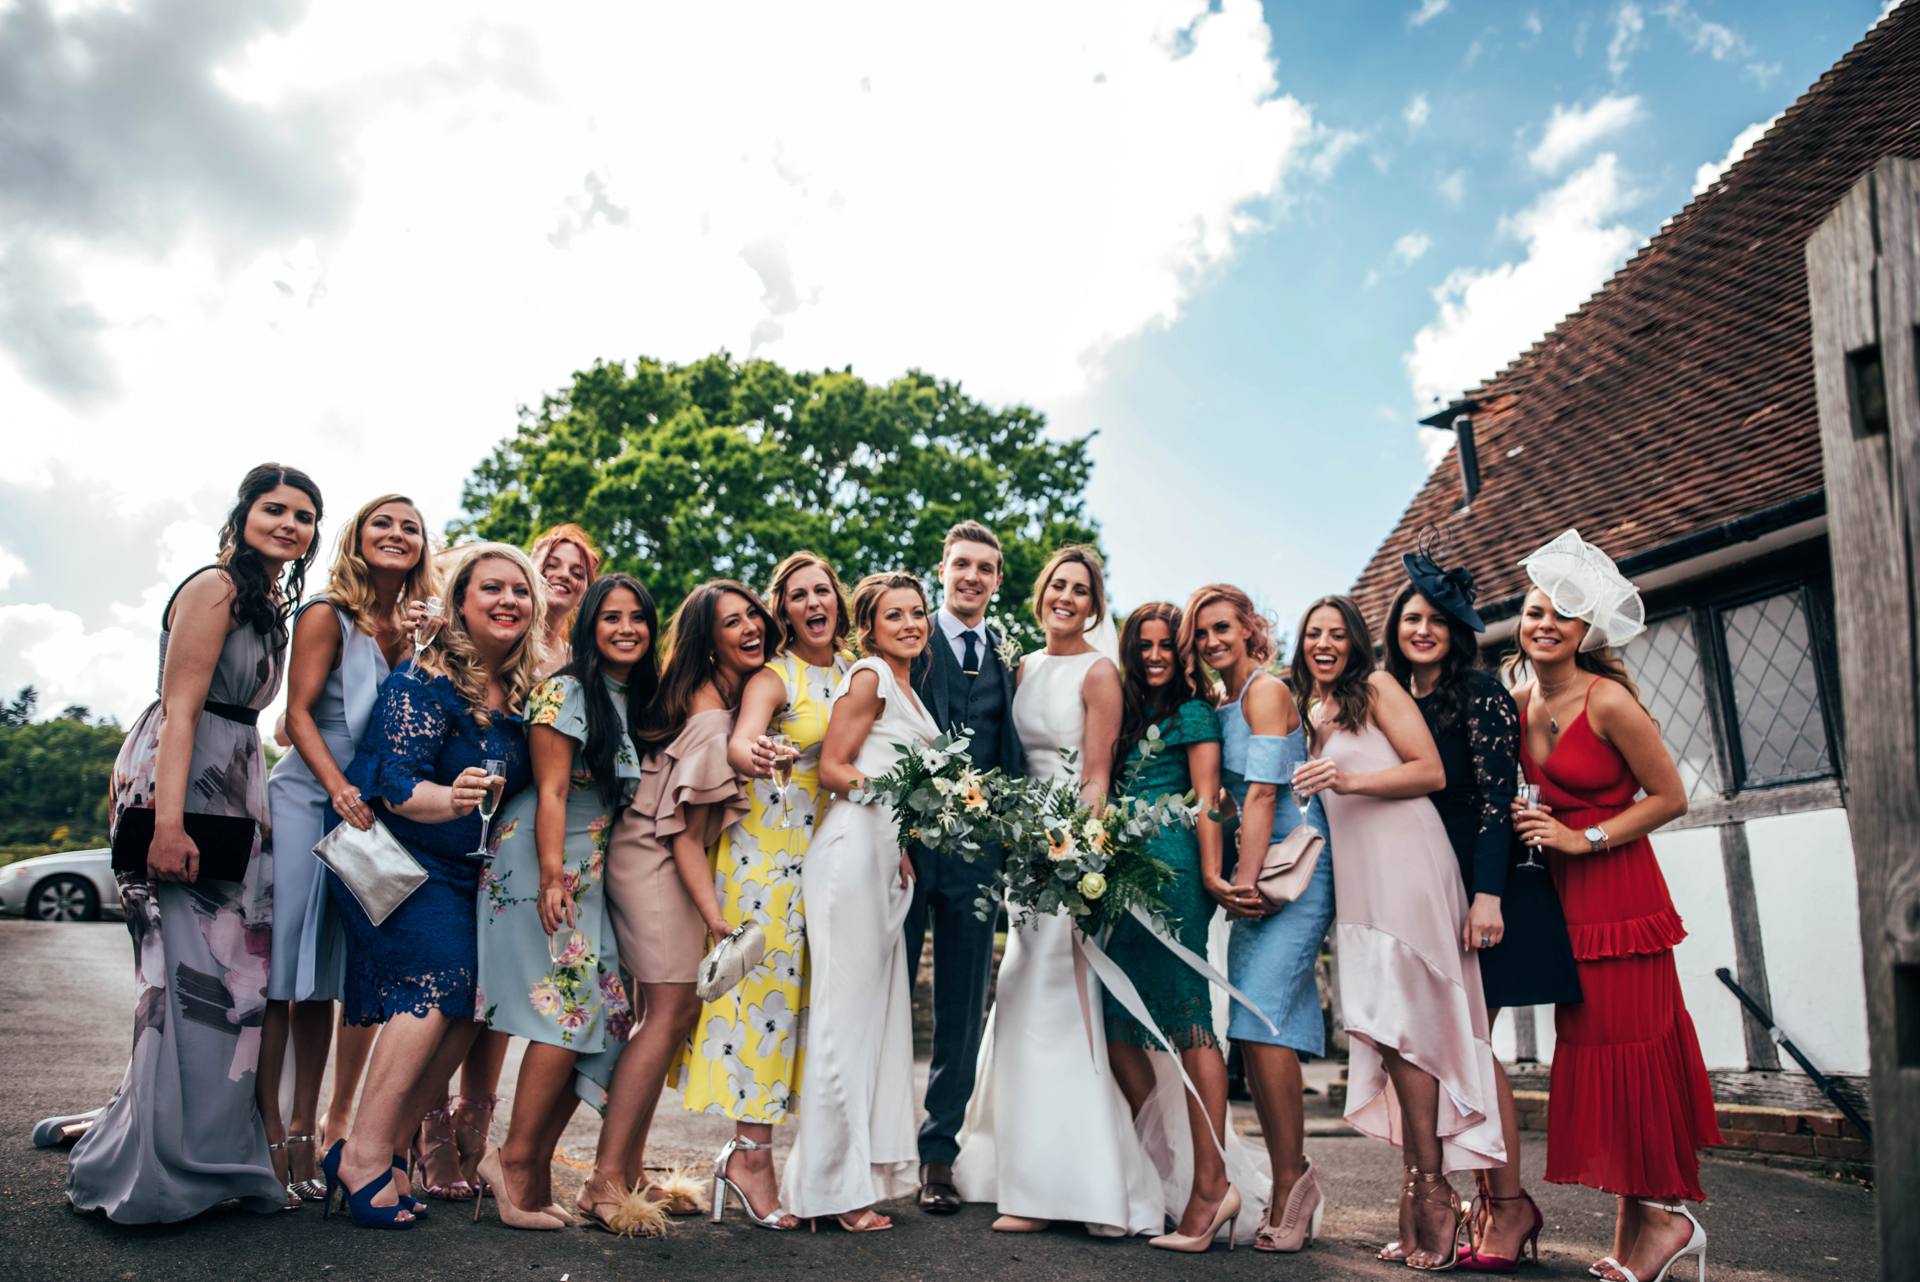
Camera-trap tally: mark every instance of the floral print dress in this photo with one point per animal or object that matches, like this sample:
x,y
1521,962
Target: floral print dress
x,y
744,1058
181,1132
564,991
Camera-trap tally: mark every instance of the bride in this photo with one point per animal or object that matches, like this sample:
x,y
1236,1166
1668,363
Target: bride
x,y
1048,1135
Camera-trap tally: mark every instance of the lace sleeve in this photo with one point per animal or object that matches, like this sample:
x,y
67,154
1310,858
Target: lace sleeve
x,y
1493,740
402,744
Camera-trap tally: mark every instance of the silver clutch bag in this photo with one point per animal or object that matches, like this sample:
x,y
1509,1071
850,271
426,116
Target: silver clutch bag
x,y
731,961
373,865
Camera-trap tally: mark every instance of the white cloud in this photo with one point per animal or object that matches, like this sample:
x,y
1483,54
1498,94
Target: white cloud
x,y
1571,130
1427,12
111,670
1487,317
1709,174
1532,22
499,201
1628,24
11,568
1418,112
1453,187
1411,248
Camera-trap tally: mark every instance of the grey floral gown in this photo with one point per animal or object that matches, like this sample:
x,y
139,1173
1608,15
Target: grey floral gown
x,y
181,1132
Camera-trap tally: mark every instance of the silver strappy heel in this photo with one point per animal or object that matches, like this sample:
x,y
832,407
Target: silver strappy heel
x,y
722,1186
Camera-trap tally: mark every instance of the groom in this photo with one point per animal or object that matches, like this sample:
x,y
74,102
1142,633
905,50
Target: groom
x,y
962,682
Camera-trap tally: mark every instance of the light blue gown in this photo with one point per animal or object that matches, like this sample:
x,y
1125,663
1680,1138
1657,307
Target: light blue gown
x,y
309,949
1272,960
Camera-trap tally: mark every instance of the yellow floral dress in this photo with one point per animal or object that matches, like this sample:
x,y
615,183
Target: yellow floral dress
x,y
744,1058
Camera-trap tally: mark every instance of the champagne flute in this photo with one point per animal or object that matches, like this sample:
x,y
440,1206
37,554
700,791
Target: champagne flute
x,y
425,631
561,942
783,758
1529,795
490,801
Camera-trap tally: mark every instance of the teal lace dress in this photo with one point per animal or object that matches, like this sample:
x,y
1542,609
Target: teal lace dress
x,y
1174,994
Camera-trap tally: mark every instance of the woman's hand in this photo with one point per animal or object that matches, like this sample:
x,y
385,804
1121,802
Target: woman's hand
x,y
718,929
765,757
906,871
1239,901
1321,775
1484,927
556,906
171,855
352,809
1539,829
467,790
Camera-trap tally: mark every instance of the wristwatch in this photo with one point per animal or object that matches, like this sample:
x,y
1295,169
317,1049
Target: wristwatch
x,y
1597,840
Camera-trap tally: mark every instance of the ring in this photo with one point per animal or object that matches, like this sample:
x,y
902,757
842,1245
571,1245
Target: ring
x,y
1484,940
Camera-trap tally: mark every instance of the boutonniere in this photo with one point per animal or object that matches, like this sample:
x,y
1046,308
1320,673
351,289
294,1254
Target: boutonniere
x,y
1006,647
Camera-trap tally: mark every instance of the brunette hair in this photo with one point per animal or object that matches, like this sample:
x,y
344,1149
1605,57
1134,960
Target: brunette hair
x,y
258,599
1087,557
453,655
1449,694
1142,706
866,601
690,662
777,590
350,580
1259,634
604,723
1352,696
971,532
1603,662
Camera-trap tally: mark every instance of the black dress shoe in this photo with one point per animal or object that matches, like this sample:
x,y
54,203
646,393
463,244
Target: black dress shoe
x,y
937,1197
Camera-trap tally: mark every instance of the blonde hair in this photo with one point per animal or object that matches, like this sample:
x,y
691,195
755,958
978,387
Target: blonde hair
x,y
1259,633
866,601
776,592
452,654
350,580
1087,557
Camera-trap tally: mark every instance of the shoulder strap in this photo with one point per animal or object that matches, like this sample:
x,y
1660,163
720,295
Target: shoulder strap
x,y
166,611
1248,684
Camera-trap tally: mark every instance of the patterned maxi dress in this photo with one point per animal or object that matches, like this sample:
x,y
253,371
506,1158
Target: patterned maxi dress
x,y
574,999
745,1055
182,1132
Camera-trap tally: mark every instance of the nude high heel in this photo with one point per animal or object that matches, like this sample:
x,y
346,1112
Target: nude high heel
x,y
489,1177
1300,1221
1227,1213
1696,1246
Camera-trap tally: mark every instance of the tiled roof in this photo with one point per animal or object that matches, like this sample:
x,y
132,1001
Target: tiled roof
x,y
1680,397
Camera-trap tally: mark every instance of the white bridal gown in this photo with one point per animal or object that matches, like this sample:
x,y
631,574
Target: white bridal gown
x,y
855,1142
1048,1134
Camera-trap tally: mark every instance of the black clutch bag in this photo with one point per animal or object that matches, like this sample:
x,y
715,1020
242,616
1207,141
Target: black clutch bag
x,y
225,842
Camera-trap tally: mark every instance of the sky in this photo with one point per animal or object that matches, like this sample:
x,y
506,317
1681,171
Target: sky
x,y
1247,245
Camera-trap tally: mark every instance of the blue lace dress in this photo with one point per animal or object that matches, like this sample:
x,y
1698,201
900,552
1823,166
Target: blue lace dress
x,y
424,957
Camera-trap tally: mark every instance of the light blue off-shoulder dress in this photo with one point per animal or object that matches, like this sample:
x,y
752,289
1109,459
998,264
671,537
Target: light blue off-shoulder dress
x,y
1272,960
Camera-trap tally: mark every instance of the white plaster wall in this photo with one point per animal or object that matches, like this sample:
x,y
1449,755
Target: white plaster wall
x,y
1697,877
1803,878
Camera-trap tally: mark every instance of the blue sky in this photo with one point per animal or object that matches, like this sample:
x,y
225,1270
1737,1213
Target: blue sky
x,y
1275,424
1242,242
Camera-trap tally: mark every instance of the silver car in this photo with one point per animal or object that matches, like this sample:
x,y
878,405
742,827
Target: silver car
x,y
75,885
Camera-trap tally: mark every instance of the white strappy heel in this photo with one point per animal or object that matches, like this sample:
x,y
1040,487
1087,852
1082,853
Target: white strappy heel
x,y
1696,1246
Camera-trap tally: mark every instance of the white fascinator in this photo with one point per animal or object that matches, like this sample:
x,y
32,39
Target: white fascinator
x,y
1584,583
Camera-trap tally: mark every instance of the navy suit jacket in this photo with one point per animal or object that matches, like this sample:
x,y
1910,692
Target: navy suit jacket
x,y
931,673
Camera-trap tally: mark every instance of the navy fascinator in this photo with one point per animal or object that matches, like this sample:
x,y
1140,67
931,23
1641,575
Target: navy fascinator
x,y
1451,591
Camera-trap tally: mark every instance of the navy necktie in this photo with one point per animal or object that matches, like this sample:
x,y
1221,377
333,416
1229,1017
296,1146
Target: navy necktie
x,y
970,660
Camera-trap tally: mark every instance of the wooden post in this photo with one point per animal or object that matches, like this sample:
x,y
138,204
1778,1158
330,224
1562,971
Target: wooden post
x,y
1863,279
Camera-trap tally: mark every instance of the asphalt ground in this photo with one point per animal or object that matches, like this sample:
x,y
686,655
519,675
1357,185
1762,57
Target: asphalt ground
x,y
66,994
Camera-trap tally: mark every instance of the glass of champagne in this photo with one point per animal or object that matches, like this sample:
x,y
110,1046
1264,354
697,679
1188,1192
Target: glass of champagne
x,y
783,758
425,631
490,801
1529,795
566,946
1300,798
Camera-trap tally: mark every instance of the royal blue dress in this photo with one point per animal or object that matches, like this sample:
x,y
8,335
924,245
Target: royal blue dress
x,y
1272,959
424,957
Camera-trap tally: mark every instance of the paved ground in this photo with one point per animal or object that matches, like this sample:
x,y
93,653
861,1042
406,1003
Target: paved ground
x,y
65,1005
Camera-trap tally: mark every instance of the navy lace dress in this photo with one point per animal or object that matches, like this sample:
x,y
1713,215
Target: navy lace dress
x,y
424,957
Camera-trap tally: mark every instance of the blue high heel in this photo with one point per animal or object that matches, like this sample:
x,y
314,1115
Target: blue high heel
x,y
360,1201
413,1204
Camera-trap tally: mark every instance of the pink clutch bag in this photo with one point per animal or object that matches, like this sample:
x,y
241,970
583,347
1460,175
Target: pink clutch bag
x,y
1289,865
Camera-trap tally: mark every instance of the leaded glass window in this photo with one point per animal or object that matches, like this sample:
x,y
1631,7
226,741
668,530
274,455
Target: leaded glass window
x,y
1776,690
1665,662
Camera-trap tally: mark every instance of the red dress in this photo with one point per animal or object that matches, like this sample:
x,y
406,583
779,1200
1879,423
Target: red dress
x,y
1630,1105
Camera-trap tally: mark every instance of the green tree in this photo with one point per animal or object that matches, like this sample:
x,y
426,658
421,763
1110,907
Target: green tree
x,y
720,468
54,776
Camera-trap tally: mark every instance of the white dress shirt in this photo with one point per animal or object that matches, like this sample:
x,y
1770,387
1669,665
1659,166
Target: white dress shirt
x,y
953,628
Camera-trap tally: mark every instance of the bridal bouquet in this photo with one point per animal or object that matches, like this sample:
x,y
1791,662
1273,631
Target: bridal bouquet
x,y
940,798
1060,855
